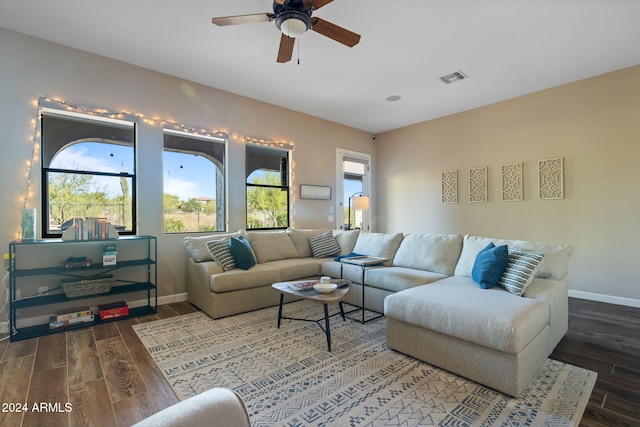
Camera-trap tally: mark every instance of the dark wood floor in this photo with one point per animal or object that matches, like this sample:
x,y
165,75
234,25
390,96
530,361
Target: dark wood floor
x,y
605,338
109,379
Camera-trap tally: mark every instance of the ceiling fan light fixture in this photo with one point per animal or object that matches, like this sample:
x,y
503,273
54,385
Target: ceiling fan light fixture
x,y
293,23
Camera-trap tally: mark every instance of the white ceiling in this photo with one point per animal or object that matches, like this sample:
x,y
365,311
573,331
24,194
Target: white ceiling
x,y
507,48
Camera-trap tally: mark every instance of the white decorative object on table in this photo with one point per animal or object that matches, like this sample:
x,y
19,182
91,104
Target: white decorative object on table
x,y
325,288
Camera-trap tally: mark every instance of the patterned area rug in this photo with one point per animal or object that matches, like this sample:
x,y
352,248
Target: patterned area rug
x,y
287,377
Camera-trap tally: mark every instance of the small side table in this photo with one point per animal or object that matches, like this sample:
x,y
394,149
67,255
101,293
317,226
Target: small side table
x,y
363,262
315,296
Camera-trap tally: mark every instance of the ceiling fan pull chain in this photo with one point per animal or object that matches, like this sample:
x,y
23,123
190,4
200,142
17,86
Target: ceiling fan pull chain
x,y
298,46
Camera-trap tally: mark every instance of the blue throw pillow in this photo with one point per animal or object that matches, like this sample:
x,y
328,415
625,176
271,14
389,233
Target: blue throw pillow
x,y
242,253
489,265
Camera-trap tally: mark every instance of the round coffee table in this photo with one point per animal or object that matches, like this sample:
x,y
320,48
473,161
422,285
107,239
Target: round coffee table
x,y
315,296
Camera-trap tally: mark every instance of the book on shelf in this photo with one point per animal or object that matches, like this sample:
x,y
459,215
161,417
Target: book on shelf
x,y
73,313
109,255
113,310
54,323
92,228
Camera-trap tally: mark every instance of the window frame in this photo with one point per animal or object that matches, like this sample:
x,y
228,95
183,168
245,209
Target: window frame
x,y
214,139
45,171
287,188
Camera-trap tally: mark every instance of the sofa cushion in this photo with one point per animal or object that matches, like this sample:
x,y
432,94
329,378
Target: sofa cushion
x,y
242,253
296,268
492,318
271,245
378,244
431,252
221,253
490,265
324,245
257,276
520,270
300,237
197,246
554,265
395,279
346,239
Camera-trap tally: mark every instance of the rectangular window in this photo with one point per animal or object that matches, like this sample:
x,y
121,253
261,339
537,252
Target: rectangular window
x,y
194,183
88,170
267,173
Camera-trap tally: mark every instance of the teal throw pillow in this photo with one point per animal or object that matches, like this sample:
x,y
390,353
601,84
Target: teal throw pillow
x,y
242,253
489,265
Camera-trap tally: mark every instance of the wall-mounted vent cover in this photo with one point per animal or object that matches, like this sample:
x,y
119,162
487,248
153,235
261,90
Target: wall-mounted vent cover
x,y
454,77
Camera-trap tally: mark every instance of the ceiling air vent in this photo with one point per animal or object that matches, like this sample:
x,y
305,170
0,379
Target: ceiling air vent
x,y
454,77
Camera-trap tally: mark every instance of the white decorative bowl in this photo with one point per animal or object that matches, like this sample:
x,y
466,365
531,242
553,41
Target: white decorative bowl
x,y
325,288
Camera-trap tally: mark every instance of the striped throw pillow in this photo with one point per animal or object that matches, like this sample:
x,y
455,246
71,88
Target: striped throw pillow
x,y
324,245
220,252
520,270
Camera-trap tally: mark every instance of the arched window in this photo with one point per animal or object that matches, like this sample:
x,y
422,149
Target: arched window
x,y
194,183
267,172
88,170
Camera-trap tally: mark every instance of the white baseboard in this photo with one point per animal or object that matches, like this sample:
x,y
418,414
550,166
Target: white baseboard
x,y
630,302
168,299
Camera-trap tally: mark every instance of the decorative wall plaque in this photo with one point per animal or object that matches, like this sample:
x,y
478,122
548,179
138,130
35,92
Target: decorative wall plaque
x,y
450,186
319,192
551,179
512,190
478,185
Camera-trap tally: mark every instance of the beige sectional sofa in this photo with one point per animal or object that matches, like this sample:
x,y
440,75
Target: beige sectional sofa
x,y
434,310
280,255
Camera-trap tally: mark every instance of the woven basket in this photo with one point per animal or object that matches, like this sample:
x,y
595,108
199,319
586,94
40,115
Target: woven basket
x,y
96,285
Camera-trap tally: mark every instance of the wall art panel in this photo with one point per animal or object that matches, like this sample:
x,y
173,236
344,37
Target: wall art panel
x,y
450,186
478,186
512,186
551,179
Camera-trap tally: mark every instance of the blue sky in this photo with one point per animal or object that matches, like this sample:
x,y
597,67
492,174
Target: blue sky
x,y
187,181
184,175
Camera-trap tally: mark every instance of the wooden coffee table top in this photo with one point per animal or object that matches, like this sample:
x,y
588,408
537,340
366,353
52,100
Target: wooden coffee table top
x,y
312,294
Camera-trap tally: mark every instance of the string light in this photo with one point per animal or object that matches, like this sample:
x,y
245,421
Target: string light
x,y
44,102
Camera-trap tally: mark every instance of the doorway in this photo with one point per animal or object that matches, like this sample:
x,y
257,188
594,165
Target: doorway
x,y
353,180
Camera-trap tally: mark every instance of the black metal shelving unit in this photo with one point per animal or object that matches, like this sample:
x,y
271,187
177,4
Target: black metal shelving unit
x,y
139,255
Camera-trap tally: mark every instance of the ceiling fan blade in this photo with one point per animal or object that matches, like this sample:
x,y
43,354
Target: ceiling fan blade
x,y
317,4
286,48
335,32
243,19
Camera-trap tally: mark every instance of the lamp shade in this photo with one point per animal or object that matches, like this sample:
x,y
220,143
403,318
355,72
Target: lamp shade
x,y
361,203
293,27
293,23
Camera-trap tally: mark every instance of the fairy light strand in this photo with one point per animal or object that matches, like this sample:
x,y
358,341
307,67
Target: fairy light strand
x,y
55,103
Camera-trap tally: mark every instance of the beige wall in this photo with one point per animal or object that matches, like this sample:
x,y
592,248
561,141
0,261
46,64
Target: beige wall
x,y
594,124
31,68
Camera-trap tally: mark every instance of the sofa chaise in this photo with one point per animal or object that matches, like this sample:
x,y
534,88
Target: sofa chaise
x,y
434,309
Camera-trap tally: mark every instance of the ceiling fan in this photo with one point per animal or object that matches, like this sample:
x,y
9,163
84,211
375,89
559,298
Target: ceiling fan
x,y
293,18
